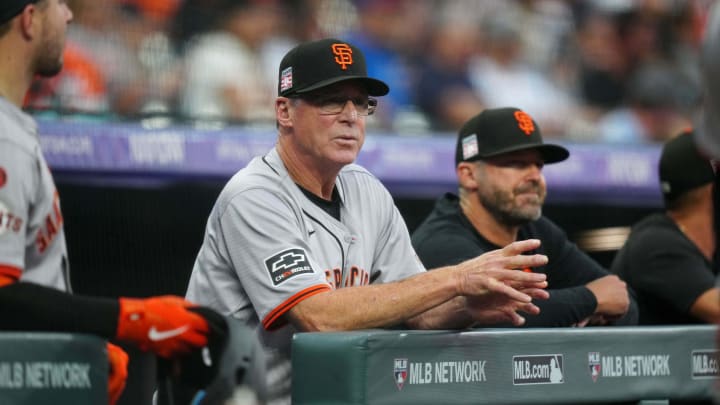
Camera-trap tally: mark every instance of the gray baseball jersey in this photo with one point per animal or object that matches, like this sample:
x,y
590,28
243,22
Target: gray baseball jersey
x,y
268,247
32,239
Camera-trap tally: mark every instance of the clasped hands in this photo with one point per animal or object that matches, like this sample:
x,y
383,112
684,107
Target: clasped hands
x,y
494,288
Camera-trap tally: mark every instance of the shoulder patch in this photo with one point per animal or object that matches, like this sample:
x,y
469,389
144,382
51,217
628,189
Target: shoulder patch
x,y
287,264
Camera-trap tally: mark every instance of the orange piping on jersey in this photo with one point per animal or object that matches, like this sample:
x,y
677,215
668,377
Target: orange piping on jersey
x,y
6,280
9,274
291,302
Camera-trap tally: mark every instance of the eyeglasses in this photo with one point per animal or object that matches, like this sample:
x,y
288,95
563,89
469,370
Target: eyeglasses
x,y
335,104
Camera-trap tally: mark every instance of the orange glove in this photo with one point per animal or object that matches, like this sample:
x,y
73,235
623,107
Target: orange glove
x,y
118,361
162,325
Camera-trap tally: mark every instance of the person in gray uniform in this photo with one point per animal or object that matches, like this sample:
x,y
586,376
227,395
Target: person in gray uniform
x,y
303,239
35,291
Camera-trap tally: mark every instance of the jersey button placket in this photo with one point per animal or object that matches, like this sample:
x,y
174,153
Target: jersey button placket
x,y
348,240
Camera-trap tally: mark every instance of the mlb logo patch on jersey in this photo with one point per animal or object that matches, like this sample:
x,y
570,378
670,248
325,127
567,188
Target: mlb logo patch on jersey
x,y
287,264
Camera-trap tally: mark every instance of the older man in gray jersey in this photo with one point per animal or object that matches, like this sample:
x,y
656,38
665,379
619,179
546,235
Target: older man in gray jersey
x,y
302,239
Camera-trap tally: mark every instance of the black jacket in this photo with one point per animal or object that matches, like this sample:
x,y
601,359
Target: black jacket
x,y
447,237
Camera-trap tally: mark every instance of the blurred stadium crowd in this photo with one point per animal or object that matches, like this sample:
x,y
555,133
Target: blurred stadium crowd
x,y
624,71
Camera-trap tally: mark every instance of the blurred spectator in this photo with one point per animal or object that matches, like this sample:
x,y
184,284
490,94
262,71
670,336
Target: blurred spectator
x,y
624,50
105,34
567,63
97,65
502,78
79,88
159,10
668,257
641,28
389,32
613,39
151,42
547,28
443,90
193,17
297,23
601,64
687,29
657,107
225,76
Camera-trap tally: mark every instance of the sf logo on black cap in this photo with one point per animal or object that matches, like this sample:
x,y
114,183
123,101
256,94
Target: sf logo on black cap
x,y
343,55
525,123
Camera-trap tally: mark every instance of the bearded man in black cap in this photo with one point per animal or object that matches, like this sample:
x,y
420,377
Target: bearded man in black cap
x,y
302,239
668,257
499,159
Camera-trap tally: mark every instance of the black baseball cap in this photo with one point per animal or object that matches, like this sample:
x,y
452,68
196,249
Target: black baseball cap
x,y
501,130
11,8
312,65
683,167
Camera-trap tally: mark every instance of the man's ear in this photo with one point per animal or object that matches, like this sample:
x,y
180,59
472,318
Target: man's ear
x,y
465,172
28,18
282,111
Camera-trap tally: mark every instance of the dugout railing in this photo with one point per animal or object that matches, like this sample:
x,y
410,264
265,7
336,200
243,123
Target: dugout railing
x,y
503,366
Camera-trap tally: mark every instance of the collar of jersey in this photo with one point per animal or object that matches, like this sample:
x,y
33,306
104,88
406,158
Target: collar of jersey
x,y
273,159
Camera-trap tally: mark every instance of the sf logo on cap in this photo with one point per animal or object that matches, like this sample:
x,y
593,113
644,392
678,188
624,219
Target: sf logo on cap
x,y
525,123
343,55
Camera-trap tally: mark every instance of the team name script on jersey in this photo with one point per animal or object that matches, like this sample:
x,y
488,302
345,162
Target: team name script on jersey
x,y
53,221
9,221
356,277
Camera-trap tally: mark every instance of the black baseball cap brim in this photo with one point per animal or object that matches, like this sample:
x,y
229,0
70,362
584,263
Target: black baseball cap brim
x,y
550,153
497,131
374,87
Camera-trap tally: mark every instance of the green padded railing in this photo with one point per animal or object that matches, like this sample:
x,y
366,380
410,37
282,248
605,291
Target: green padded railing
x,y
503,366
52,369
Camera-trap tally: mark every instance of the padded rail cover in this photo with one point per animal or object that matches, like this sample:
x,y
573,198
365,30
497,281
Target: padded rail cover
x,y
502,366
52,368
